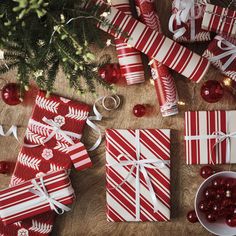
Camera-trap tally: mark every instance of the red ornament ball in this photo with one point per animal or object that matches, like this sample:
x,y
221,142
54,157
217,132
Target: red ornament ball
x,y
11,94
212,91
192,217
206,171
110,73
139,110
5,167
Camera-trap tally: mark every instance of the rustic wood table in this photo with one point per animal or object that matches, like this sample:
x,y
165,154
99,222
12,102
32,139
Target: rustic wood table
x,y
88,216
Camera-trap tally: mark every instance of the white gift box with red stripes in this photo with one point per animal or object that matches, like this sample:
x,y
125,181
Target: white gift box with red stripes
x,y
138,175
19,202
210,137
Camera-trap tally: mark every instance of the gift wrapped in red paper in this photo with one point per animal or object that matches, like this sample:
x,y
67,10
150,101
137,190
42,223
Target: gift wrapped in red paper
x,y
138,175
221,52
220,20
46,193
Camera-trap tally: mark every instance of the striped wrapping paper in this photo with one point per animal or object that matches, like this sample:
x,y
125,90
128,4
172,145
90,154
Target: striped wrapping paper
x,y
204,123
129,58
121,203
219,20
18,203
153,44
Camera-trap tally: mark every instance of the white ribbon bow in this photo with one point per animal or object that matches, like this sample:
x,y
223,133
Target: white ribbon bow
x,y
141,166
186,12
220,136
42,192
12,130
230,50
56,131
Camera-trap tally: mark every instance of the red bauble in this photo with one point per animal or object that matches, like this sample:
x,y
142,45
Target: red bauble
x,y
206,171
110,73
11,94
139,110
192,217
212,91
231,221
5,167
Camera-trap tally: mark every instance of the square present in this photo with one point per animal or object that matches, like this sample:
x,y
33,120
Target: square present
x,y
220,20
221,52
138,175
186,21
210,137
49,192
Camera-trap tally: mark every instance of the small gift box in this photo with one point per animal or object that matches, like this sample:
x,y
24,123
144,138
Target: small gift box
x,y
220,20
138,175
36,196
210,137
186,20
221,52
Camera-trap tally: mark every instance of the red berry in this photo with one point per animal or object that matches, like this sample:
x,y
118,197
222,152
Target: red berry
x,y
212,91
210,192
203,206
11,94
231,221
5,167
218,182
226,202
139,110
192,217
206,171
230,183
211,217
110,73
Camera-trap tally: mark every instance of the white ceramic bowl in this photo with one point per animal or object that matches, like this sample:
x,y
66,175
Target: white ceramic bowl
x,y
219,227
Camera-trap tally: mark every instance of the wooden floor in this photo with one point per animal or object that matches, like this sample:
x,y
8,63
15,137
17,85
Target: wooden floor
x,y
88,215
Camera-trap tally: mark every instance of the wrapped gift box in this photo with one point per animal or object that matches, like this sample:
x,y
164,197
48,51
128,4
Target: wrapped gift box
x,y
221,52
220,20
34,197
186,21
210,137
138,175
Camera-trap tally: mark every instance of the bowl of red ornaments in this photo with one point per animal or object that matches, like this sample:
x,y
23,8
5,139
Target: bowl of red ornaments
x,y
215,203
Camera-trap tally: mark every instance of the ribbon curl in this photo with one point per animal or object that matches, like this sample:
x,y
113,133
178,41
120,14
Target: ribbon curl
x,y
141,166
11,131
229,50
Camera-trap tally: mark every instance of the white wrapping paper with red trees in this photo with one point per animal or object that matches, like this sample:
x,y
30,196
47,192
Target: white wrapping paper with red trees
x,y
55,125
221,52
138,175
220,20
186,20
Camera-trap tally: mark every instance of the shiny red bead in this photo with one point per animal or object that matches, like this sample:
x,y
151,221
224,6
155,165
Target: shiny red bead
x,y
203,206
212,91
11,94
231,221
206,171
110,73
5,167
210,193
218,182
139,110
211,217
192,217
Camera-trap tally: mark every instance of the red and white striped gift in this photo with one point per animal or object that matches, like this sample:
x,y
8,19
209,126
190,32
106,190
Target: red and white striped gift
x,y
220,20
163,80
129,58
186,21
210,137
152,43
36,196
138,175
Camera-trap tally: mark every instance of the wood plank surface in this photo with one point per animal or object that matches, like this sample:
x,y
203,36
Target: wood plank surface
x,y
88,212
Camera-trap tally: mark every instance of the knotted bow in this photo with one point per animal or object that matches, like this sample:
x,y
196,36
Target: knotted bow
x,y
141,166
12,130
186,11
229,50
43,193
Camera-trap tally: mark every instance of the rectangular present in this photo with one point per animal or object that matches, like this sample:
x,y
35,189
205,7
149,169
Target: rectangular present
x,y
220,20
186,20
138,175
210,137
49,192
221,52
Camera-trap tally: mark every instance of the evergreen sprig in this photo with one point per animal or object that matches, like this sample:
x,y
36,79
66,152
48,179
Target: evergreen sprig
x,y
38,37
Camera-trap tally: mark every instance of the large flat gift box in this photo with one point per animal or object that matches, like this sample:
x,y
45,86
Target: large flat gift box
x,y
138,175
210,137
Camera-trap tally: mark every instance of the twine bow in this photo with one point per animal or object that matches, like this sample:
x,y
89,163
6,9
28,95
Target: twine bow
x,y
141,166
42,192
229,50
